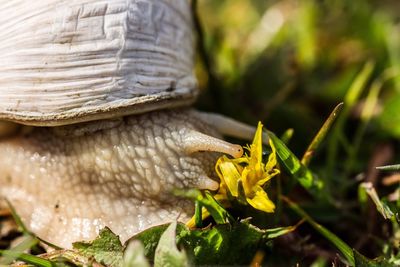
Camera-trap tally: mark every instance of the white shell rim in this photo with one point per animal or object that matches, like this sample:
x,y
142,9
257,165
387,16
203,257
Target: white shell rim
x,y
128,107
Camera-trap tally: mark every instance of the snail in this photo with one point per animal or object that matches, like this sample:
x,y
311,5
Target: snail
x,y
103,89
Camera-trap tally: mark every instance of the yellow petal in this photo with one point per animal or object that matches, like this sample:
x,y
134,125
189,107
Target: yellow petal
x,y
267,177
229,174
272,157
247,185
270,169
256,148
261,201
250,178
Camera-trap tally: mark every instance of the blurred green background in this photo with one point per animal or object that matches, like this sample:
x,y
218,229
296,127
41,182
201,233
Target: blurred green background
x,y
288,64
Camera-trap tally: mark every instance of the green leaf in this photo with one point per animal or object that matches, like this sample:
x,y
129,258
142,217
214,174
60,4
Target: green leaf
x,y
105,249
134,255
167,254
229,244
294,167
223,244
219,214
150,237
361,261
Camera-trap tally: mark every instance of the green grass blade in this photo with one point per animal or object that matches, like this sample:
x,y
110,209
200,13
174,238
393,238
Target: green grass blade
x,y
287,135
395,167
367,114
30,259
320,135
358,85
219,214
382,208
279,231
27,243
49,244
21,226
350,100
16,253
198,218
346,250
293,165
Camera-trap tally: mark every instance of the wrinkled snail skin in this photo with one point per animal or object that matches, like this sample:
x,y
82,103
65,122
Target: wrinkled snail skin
x,y
68,183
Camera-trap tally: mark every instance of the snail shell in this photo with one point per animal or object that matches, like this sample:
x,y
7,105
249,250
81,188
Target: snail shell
x,y
66,61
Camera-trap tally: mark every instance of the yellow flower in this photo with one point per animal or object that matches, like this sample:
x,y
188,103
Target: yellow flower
x,y
244,178
250,172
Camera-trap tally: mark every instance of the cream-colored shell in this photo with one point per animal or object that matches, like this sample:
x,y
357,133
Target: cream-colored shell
x,y
67,61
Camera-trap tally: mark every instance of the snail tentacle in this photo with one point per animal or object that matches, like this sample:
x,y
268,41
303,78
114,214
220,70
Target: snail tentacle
x,y
229,127
194,141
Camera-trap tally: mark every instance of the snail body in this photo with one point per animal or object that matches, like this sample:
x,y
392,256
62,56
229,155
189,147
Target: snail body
x,y
67,186
105,85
